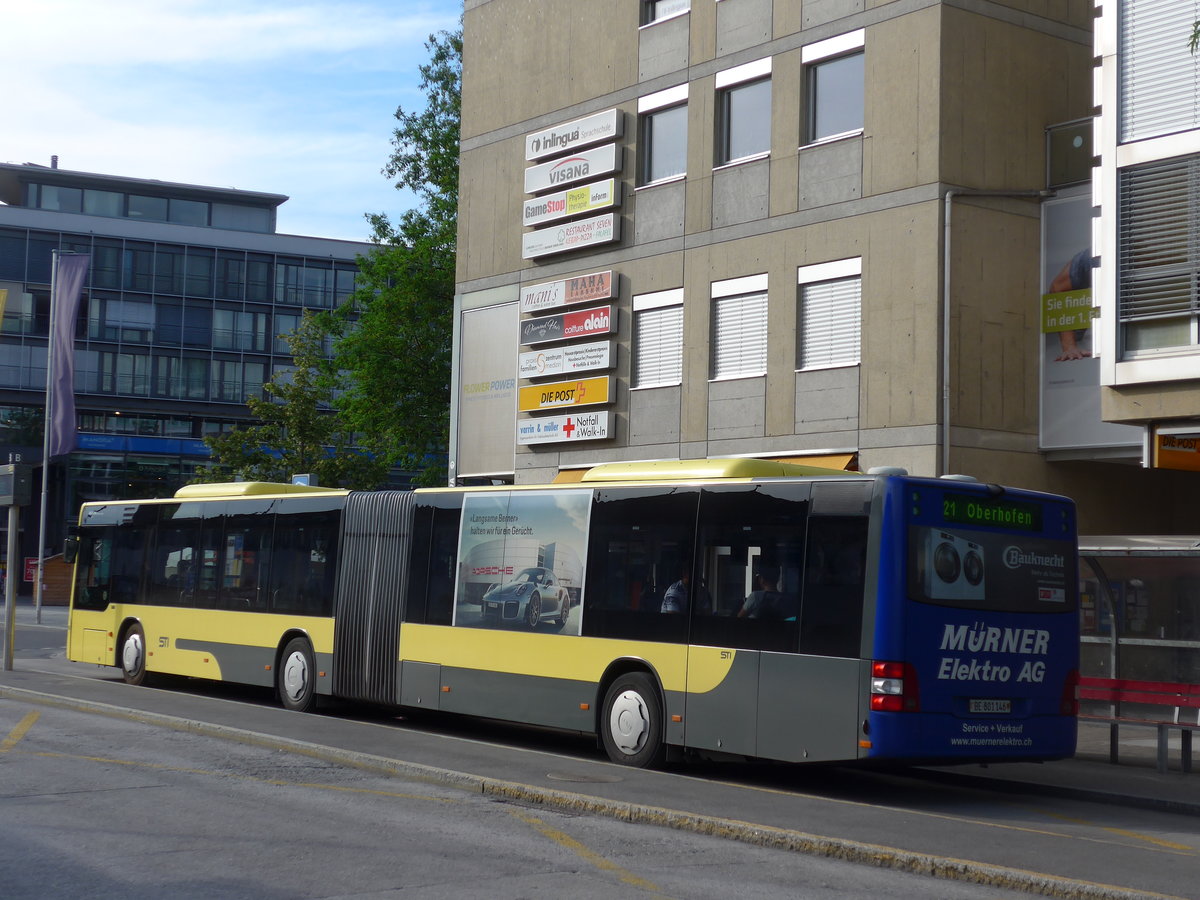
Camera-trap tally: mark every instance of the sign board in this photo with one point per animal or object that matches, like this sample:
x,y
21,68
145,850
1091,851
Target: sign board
x,y
571,236
561,205
30,569
555,395
16,485
597,321
592,357
577,167
601,126
569,291
1177,451
558,429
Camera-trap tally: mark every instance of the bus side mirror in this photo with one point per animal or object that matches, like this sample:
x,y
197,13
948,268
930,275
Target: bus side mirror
x,y
70,550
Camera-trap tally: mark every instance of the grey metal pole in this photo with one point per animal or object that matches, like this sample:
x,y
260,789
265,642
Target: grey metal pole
x,y
47,418
10,589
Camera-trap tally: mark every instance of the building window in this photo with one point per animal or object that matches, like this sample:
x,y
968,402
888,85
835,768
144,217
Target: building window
x,y
152,208
60,199
662,135
111,319
1157,71
744,112
834,71
657,10
658,339
103,203
739,328
1158,293
829,315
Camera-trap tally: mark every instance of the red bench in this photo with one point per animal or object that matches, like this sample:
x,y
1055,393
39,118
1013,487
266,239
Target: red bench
x,y
1161,694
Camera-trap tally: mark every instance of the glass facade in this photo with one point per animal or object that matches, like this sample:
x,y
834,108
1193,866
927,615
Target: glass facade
x,y
159,319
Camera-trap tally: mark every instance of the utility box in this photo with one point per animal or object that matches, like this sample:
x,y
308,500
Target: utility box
x,y
16,485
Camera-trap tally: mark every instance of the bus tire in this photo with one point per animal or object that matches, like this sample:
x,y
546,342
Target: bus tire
x,y
631,726
296,677
533,610
133,654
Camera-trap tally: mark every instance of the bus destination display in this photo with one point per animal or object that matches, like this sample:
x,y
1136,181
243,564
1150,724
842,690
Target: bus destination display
x,y
969,510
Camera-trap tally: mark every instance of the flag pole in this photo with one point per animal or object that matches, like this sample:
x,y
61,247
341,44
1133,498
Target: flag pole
x,y
47,419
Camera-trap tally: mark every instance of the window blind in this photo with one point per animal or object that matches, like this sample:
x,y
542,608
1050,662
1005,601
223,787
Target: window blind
x,y
830,323
658,346
739,345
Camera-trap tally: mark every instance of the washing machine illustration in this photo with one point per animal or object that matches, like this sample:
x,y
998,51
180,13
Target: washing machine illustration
x,y
953,567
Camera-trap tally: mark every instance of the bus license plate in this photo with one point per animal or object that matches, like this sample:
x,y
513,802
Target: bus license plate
x,y
990,706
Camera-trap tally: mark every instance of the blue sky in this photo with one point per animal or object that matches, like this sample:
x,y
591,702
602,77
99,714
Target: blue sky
x,y
292,98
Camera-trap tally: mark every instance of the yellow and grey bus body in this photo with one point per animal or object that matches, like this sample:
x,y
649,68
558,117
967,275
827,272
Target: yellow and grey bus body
x,y
553,605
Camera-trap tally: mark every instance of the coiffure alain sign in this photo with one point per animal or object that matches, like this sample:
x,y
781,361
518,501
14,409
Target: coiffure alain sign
x,y
586,323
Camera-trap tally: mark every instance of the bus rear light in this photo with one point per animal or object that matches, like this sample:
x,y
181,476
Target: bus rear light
x,y
1069,705
894,687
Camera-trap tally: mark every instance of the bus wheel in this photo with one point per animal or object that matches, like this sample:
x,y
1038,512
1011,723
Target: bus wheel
x,y
296,676
133,655
632,724
533,610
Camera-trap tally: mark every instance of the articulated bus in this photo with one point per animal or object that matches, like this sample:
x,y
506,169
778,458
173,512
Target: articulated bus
x,y
719,608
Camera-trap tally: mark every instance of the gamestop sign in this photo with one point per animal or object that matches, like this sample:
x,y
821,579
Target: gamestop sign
x,y
571,236
597,321
560,205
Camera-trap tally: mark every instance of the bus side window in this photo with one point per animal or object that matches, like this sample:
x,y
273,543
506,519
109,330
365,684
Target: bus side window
x,y
305,560
443,561
434,561
641,541
834,578
751,552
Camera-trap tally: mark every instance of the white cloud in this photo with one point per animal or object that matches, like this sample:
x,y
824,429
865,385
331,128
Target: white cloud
x,y
270,96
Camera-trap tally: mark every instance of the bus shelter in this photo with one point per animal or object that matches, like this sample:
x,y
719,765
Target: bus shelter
x,y
1140,607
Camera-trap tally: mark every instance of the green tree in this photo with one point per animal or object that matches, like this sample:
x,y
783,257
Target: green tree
x,y
1194,41
394,333
299,431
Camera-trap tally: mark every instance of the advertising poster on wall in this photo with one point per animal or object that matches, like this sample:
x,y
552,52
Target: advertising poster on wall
x,y
521,561
487,390
1070,388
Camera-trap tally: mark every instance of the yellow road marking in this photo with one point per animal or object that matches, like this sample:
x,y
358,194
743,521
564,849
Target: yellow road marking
x,y
565,840
1137,836
19,732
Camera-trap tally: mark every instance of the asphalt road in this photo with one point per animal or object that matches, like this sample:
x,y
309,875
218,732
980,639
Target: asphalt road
x,y
965,829
103,807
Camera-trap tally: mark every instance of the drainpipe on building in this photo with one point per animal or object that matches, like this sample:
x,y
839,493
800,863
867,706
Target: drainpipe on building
x,y
944,462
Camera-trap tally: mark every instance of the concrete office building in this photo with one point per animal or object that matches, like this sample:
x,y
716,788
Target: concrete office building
x,y
833,231
188,291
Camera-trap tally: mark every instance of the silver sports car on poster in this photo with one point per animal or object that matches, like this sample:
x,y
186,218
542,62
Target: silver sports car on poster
x,y
533,596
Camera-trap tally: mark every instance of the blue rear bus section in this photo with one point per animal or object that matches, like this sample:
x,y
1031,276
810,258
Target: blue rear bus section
x,y
981,604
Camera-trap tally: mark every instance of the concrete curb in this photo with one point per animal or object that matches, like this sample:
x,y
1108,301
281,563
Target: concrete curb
x,y
947,868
